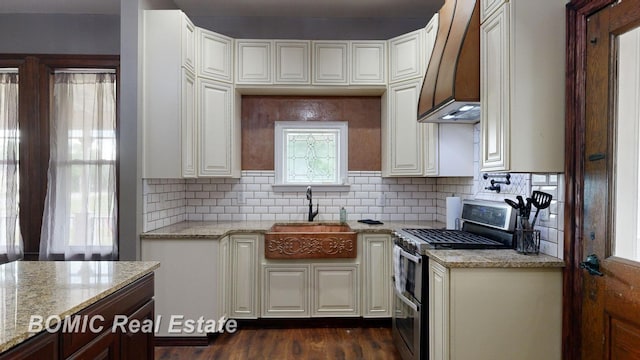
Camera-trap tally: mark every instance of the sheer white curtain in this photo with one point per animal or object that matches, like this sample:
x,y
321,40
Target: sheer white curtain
x,y
80,214
10,239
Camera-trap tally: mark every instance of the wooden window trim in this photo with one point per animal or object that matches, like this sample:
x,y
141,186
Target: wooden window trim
x,y
34,112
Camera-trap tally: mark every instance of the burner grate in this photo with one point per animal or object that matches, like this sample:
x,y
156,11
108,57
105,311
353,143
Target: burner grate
x,y
454,239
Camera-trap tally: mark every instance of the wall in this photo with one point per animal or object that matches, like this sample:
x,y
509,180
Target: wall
x,y
259,114
59,34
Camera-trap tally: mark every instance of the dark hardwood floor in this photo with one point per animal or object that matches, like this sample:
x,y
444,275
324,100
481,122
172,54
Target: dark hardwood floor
x,y
305,343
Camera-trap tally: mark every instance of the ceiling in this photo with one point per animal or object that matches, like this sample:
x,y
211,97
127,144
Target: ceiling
x,y
260,8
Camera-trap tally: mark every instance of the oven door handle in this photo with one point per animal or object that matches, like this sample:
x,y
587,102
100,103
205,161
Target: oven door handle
x,y
413,258
409,303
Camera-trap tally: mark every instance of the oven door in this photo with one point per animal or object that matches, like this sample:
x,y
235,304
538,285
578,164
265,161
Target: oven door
x,y
406,327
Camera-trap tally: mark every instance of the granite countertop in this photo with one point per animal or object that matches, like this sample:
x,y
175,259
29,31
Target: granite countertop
x,y
219,229
57,288
492,259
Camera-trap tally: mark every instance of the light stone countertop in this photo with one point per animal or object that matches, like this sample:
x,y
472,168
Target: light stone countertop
x,y
220,229
492,259
57,288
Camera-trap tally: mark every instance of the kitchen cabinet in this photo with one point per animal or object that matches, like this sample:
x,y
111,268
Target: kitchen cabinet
x,y
254,61
188,270
523,306
407,57
293,62
330,62
448,149
215,56
218,129
224,277
368,63
430,33
337,292
402,135
41,346
522,86
285,290
244,284
377,292
169,101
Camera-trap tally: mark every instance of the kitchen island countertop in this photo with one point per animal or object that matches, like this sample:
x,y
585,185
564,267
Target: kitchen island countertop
x,y
57,289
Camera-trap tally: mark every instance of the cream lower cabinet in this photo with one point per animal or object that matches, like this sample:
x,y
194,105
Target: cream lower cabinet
x,y
336,290
188,281
285,290
494,313
244,283
377,293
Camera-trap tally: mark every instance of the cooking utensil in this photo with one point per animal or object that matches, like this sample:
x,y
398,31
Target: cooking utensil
x,y
541,201
512,203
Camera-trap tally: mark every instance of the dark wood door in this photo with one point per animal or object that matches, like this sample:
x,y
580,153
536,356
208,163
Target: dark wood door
x,y
610,300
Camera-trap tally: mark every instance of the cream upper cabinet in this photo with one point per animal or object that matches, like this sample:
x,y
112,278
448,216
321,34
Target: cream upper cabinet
x,y
188,42
522,87
368,63
487,7
215,56
169,100
254,61
406,56
458,325
285,290
330,62
218,129
376,275
293,62
181,259
244,285
430,33
337,292
189,125
402,135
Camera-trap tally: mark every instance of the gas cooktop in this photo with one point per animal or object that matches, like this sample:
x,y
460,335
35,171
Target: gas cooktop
x,y
453,239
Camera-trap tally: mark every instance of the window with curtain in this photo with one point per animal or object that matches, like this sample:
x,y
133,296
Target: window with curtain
x,y
10,239
80,214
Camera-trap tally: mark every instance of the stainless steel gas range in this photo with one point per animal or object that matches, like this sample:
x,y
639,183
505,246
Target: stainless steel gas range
x,y
485,225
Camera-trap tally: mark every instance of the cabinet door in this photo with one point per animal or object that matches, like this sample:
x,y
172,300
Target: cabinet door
x,y
402,134
406,57
188,271
336,290
188,44
431,149
188,116
376,275
285,291
105,346
217,129
330,61
254,64
139,344
368,63
41,346
215,56
292,62
494,91
487,7
244,276
224,277
438,312
430,33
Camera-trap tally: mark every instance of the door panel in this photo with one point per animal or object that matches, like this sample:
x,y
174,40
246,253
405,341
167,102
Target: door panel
x,y
611,302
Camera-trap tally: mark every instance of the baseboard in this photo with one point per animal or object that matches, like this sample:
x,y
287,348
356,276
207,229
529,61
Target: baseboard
x,y
313,323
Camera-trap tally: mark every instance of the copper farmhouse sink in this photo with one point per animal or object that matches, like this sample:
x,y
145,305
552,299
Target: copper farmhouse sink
x,y
310,241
